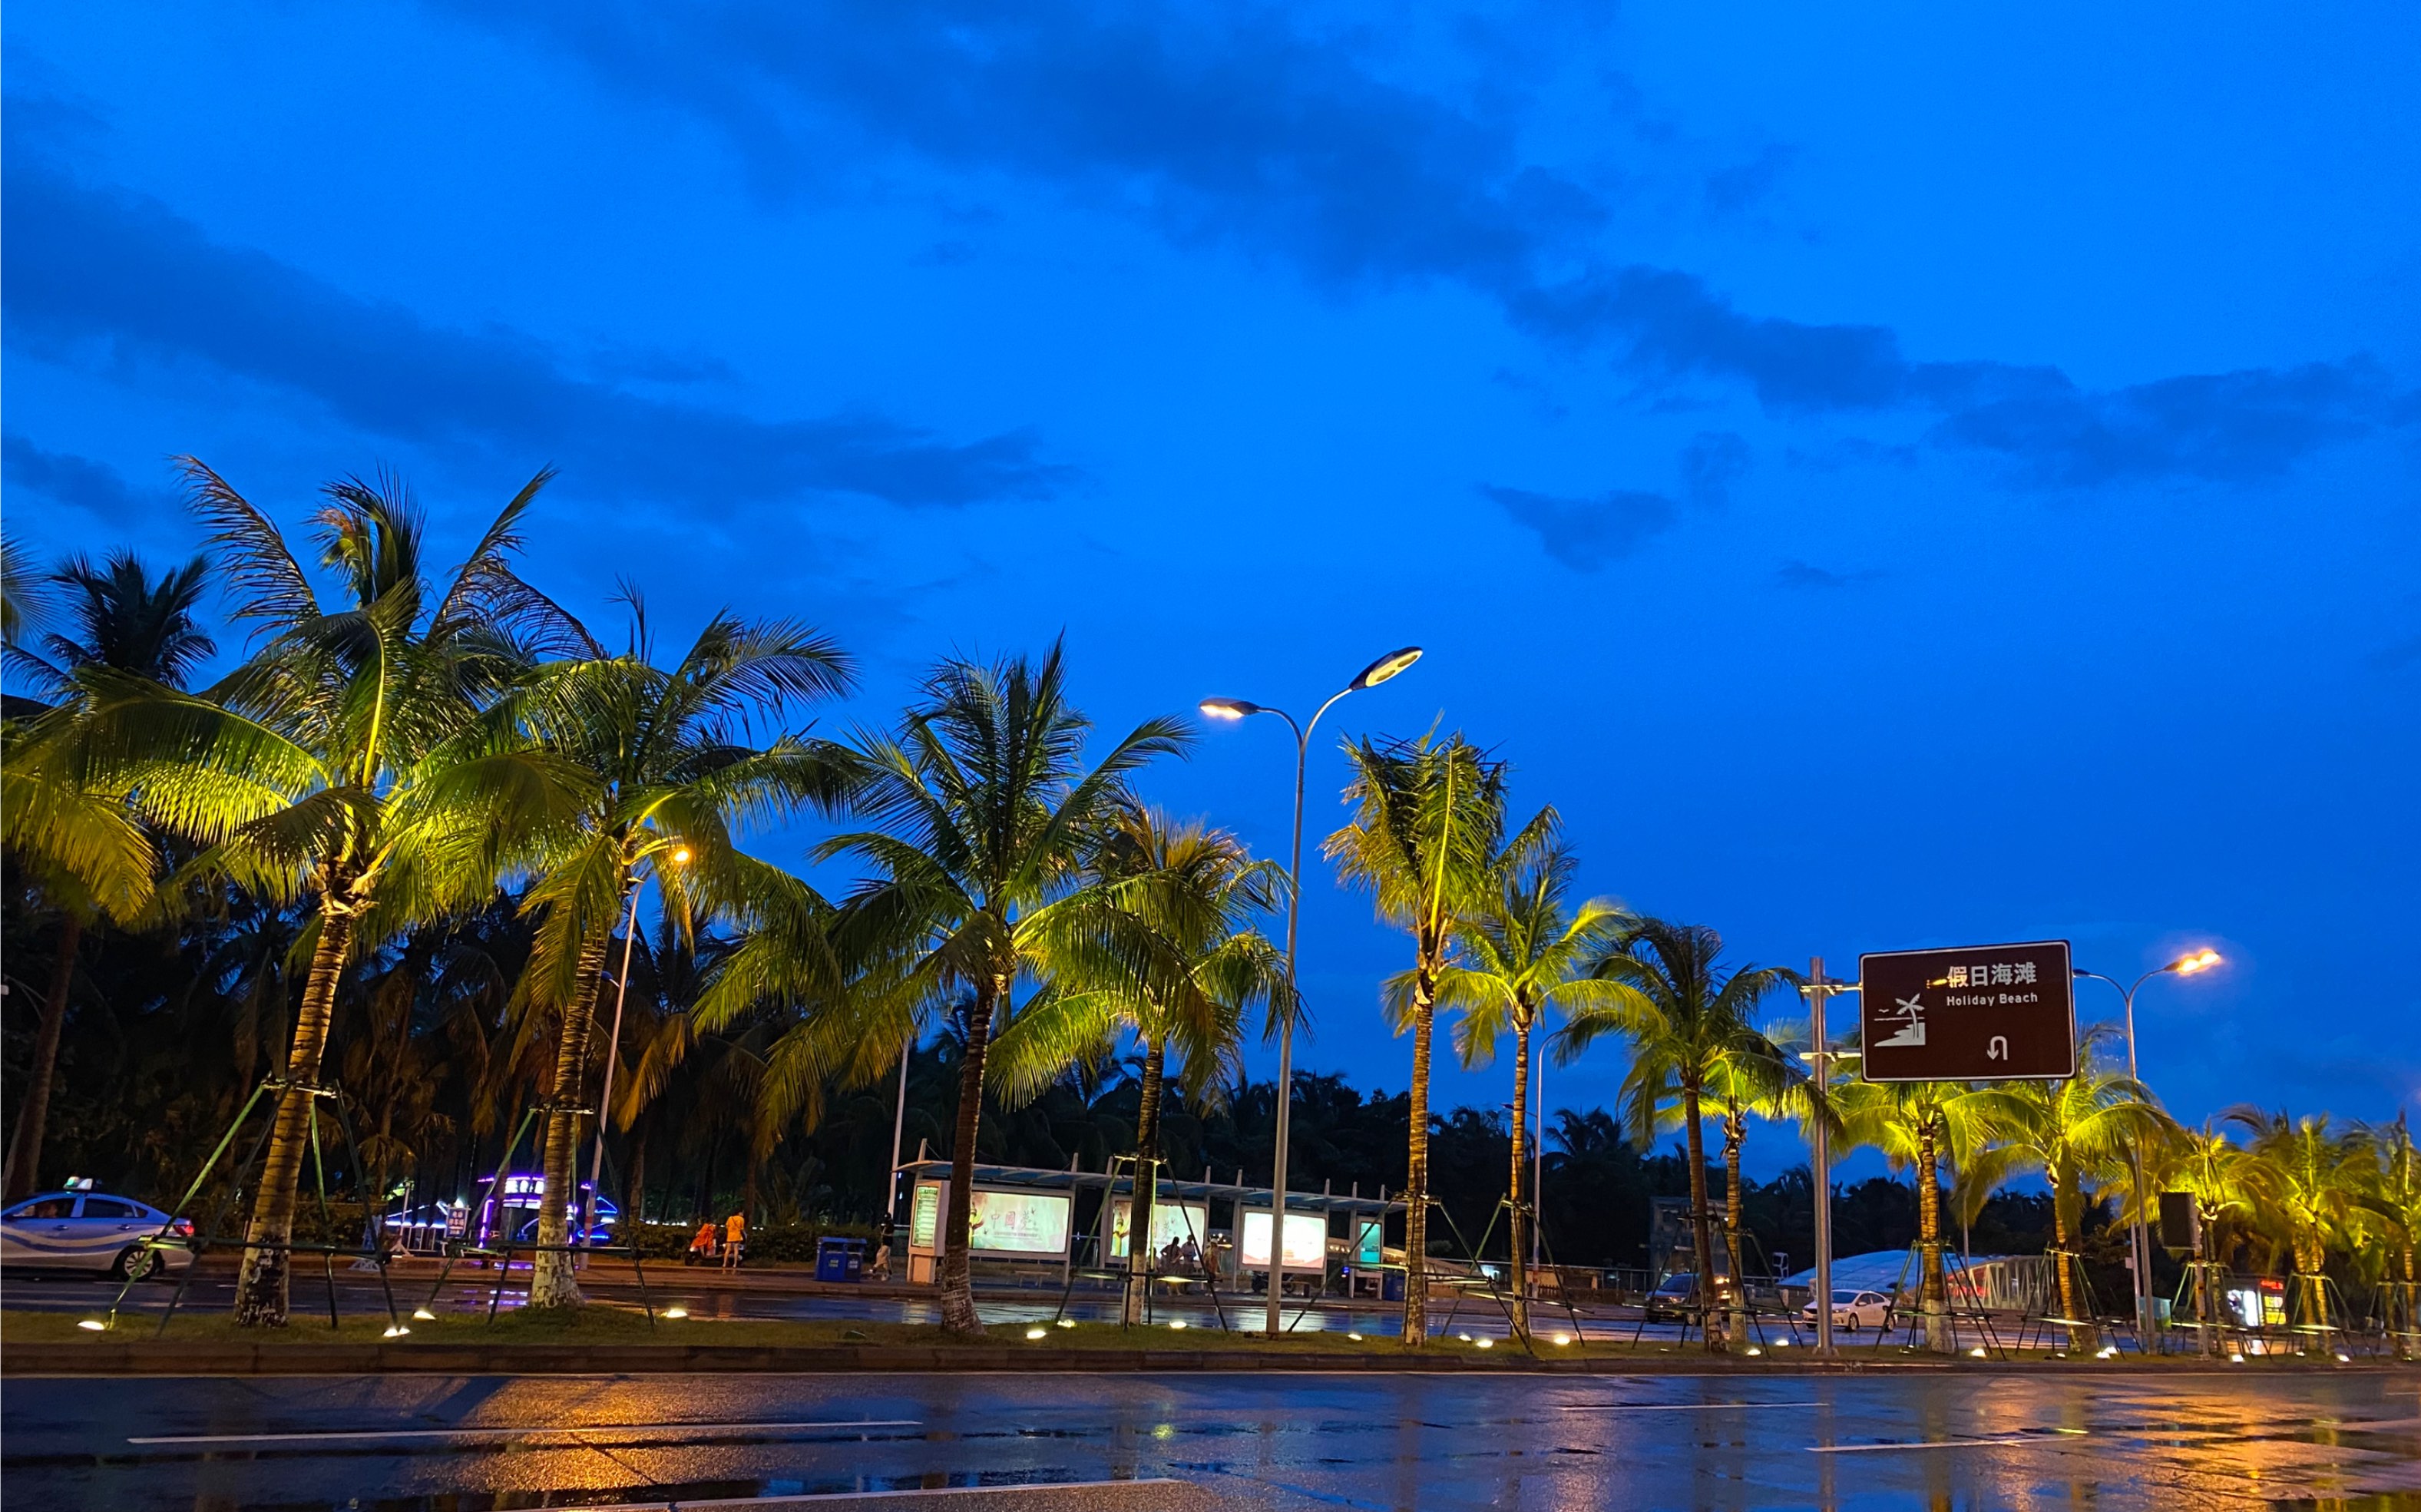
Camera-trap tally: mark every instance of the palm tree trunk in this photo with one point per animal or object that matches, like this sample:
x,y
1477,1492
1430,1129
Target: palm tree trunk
x,y
956,1285
1735,1135
2081,1337
1516,1228
1701,1224
1932,1296
1146,1183
554,1283
1415,1332
25,1148
260,1288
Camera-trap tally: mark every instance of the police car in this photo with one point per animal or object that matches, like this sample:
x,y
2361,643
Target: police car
x,y
81,1229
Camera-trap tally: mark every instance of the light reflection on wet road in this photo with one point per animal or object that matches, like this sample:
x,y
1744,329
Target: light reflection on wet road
x,y
1241,1440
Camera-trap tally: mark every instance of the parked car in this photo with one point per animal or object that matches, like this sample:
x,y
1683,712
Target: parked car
x,y
1854,1310
1675,1299
93,1231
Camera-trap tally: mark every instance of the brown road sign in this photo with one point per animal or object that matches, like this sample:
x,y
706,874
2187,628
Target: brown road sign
x,y
1981,1013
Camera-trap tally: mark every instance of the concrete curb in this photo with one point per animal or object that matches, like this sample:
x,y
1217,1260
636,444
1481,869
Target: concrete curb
x,y
224,1359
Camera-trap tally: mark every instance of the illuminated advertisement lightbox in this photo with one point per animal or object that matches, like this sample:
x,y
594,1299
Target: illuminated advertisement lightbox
x,y
1019,1225
1306,1243
1172,1222
925,1217
1369,1243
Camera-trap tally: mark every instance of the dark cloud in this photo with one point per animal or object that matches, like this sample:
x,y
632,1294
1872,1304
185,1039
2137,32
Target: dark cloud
x,y
97,272
80,483
1801,575
1586,534
1731,191
1225,124
1239,127
2225,427
1710,465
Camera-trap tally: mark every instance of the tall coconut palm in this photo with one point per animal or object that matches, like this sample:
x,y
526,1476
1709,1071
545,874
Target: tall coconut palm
x,y
1426,841
1687,1016
2077,1134
325,766
2393,1194
85,848
984,815
2228,1184
673,774
2314,1176
1922,1127
1527,954
1162,946
1758,1080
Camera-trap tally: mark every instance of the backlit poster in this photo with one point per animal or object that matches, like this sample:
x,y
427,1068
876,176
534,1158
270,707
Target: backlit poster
x,y
1028,1225
1306,1242
1172,1222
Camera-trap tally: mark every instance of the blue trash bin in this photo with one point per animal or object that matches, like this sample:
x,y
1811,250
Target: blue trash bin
x,y
840,1259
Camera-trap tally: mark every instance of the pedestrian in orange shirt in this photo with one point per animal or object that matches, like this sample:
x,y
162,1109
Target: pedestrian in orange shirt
x,y
735,1233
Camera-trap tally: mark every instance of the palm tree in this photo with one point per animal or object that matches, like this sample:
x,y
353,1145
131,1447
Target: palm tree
x,y
1756,1079
2228,1184
1687,1017
984,817
2394,1196
89,855
324,766
1920,1126
1426,843
1527,953
1184,897
2315,1178
2077,1134
670,775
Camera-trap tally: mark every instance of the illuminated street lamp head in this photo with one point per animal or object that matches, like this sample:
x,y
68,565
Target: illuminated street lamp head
x,y
680,856
1228,708
1386,666
2196,960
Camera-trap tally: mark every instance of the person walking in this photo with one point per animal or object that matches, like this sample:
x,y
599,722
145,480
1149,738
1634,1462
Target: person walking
x,y
735,1234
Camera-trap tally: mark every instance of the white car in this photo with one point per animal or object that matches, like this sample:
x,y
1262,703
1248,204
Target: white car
x,y
93,1231
1854,1310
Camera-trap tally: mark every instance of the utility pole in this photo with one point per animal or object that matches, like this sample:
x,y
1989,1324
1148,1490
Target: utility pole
x,y
1817,990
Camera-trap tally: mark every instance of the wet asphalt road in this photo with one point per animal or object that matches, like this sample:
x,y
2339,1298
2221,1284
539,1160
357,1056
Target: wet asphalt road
x,y
1215,1441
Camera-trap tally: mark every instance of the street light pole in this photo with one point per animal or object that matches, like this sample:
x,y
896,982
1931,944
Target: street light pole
x,y
2140,1239
1820,1053
1234,708
613,1054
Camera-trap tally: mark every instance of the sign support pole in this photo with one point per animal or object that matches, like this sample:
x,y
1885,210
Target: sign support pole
x,y
1817,992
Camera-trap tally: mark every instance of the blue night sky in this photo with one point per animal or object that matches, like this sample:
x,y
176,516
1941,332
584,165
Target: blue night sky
x,y
1888,478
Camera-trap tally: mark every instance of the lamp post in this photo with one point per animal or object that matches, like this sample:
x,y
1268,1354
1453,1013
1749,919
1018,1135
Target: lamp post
x,y
679,857
1236,709
2140,1240
1822,1055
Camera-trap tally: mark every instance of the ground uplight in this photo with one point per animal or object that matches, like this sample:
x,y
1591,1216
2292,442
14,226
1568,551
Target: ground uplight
x,y
1177,1323
675,1312
93,1324
1485,1344
1067,1322
424,1315
395,1332
1975,1353
1037,1331
1356,1337
1754,1349
1563,1338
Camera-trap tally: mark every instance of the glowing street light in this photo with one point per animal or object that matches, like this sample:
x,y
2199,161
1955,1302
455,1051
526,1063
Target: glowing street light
x,y
2141,1242
679,856
1389,665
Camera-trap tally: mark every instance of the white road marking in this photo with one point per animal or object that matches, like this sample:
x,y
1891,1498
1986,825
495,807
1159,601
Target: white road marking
x,y
366,1435
1670,1407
